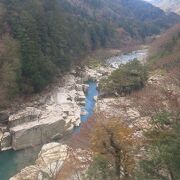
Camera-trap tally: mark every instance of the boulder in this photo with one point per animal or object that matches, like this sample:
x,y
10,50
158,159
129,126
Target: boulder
x,y
79,87
25,116
29,173
50,161
51,158
85,88
3,128
95,98
80,96
37,132
48,164
6,141
82,103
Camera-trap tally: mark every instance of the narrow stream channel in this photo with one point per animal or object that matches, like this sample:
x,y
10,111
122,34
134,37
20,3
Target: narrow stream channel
x,y
11,162
90,102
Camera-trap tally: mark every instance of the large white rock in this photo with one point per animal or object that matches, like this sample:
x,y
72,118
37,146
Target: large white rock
x,y
51,160
85,88
25,116
52,157
6,141
54,121
37,132
28,173
48,164
55,117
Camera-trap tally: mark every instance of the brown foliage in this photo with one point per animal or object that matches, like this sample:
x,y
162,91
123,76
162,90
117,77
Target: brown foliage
x,y
113,139
153,99
76,162
165,51
164,39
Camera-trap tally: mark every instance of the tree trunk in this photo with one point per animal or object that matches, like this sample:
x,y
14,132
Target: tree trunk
x,y
118,167
171,175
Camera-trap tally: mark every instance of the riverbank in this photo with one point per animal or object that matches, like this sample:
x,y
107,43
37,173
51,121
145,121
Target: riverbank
x,y
14,161
96,75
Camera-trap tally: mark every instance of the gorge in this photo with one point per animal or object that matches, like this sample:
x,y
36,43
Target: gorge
x,y
14,161
89,89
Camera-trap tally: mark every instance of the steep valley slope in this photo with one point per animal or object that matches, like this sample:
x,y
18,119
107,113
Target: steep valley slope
x,y
42,38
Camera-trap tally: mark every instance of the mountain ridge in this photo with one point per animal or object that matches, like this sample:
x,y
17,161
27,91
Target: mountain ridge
x,y
167,5
42,38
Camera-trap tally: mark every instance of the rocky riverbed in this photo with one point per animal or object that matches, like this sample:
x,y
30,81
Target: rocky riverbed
x,y
52,116
66,103
59,114
115,61
70,99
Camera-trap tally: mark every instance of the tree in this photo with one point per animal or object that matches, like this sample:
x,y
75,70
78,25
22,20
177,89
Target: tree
x,y
10,67
127,78
100,169
113,143
162,160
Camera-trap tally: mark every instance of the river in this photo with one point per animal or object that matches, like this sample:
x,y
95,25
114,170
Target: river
x,y
90,103
12,162
115,61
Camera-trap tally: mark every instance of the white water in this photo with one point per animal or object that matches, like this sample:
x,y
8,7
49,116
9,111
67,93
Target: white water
x,y
116,61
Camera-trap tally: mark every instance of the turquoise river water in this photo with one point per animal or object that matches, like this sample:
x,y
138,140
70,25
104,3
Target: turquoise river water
x,y
12,162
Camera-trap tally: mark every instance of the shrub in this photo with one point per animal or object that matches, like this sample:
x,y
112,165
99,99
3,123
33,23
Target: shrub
x,y
127,78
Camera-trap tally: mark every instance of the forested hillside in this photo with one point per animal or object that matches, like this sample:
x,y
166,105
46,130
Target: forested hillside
x,y
137,17
40,38
164,52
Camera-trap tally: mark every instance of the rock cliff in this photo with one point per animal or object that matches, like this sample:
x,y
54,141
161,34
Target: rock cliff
x,y
55,117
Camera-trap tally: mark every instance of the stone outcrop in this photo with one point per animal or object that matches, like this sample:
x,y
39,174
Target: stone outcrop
x,y
28,115
123,108
6,141
56,116
97,74
51,160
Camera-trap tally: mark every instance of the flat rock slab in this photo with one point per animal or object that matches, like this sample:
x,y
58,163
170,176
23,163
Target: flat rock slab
x,y
38,132
28,115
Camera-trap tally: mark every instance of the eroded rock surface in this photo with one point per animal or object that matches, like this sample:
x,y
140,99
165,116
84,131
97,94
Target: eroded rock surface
x,y
56,115
51,161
